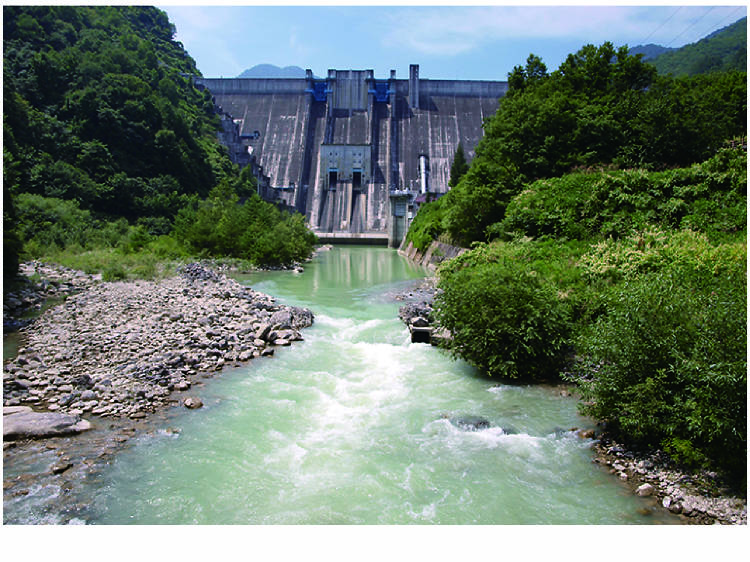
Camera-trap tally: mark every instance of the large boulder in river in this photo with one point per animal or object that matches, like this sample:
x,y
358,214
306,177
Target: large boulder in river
x,y
413,310
292,317
301,317
27,424
470,423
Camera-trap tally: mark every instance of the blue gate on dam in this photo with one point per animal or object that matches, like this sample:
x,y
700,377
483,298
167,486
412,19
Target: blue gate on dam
x,y
351,152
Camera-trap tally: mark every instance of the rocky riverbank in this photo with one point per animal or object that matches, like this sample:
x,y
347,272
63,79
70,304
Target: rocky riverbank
x,y
123,349
697,497
39,282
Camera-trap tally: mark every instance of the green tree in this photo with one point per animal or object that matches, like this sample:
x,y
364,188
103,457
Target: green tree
x,y
94,92
459,166
11,241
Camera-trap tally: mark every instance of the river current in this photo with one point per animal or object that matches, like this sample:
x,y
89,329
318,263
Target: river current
x,y
353,426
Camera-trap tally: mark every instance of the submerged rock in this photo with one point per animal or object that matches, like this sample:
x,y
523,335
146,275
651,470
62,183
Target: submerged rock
x,y
470,423
193,403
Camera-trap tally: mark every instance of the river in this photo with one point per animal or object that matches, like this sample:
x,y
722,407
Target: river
x,y
353,426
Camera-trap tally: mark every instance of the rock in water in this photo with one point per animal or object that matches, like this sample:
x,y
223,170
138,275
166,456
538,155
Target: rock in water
x,y
193,403
29,424
61,466
282,319
470,423
301,317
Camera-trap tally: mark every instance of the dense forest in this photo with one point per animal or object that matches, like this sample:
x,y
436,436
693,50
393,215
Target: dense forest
x,y
107,142
606,215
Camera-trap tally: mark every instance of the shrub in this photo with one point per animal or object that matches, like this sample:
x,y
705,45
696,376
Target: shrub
x,y
506,317
427,225
50,221
256,230
672,357
114,272
709,197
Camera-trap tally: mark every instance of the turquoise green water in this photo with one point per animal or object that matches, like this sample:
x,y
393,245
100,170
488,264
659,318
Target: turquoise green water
x,y
348,427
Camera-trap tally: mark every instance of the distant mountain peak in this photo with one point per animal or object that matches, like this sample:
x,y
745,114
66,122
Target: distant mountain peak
x,y
273,71
649,51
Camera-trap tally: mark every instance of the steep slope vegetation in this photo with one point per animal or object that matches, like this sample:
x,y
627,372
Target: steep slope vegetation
x,y
105,137
606,215
723,50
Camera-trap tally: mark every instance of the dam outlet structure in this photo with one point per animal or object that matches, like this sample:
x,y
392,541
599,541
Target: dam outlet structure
x,y
355,154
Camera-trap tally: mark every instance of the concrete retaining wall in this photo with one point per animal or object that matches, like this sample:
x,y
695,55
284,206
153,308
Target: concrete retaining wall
x,y
436,254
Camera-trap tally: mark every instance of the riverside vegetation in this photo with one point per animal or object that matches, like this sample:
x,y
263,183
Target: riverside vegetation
x,y
606,215
110,158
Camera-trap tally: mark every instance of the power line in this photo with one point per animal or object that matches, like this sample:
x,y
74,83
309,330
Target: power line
x,y
662,25
690,26
719,25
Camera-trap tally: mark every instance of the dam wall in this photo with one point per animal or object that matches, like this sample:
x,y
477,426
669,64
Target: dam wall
x,y
353,152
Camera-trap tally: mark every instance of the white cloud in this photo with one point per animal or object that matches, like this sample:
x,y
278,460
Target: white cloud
x,y
451,30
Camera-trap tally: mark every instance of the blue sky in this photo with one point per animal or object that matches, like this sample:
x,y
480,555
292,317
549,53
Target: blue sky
x,y
448,42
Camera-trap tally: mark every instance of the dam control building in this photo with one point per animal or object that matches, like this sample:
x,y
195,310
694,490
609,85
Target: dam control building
x,y
350,151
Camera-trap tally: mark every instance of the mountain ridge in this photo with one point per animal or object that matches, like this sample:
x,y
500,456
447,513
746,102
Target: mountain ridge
x,y
272,71
723,49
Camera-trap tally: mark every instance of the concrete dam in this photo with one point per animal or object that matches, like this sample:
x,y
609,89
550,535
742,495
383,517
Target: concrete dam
x,y
355,154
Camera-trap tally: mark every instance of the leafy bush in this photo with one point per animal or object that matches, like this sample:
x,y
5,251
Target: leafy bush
x,y
254,230
671,351
114,272
504,309
50,221
710,197
427,225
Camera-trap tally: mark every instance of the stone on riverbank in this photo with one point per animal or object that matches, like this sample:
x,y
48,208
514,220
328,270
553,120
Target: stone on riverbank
x,y
655,476
27,424
645,490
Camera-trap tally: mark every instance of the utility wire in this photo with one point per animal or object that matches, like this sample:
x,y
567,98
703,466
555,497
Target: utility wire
x,y
720,24
662,25
690,26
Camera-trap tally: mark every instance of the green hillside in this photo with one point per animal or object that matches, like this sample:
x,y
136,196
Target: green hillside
x,y
99,109
725,49
106,141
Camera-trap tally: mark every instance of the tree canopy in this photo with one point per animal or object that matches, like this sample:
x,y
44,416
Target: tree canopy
x,y
602,108
101,111
100,108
